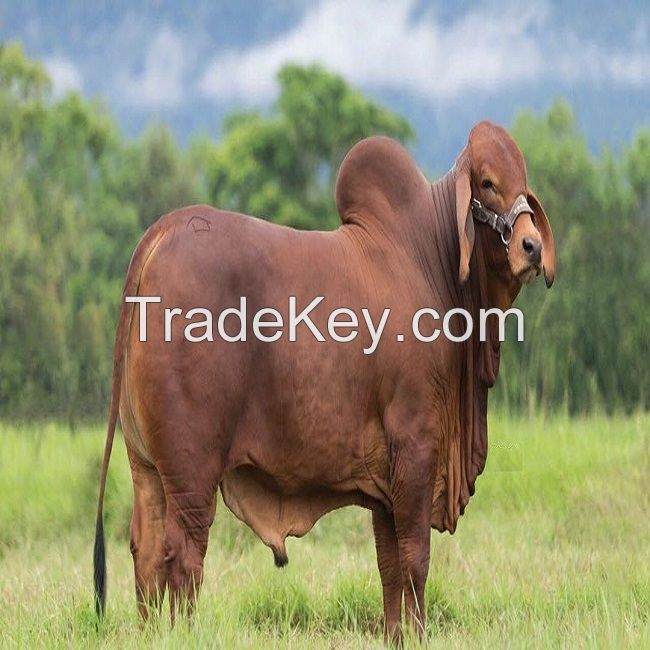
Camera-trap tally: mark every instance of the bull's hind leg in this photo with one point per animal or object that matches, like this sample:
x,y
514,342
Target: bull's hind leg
x,y
191,505
147,537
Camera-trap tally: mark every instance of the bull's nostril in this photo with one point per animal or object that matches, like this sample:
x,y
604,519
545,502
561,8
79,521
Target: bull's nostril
x,y
533,248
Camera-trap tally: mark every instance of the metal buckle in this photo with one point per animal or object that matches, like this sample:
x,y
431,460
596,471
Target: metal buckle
x,y
507,229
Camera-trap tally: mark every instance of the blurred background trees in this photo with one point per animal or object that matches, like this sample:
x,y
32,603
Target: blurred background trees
x,y
284,166
75,196
587,340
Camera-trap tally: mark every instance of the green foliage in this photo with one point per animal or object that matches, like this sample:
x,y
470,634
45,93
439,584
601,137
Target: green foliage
x,y
57,235
76,196
283,167
155,176
585,339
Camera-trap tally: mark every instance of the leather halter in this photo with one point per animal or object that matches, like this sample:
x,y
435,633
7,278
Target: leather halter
x,y
502,223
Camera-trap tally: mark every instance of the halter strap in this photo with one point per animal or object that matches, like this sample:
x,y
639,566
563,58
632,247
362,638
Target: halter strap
x,y
502,223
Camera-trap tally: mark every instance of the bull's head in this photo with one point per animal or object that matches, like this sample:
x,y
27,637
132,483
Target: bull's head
x,y
491,188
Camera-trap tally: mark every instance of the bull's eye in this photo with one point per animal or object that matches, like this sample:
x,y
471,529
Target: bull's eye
x,y
487,184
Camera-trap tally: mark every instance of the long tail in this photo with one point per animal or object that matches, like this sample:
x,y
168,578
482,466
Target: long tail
x,y
131,286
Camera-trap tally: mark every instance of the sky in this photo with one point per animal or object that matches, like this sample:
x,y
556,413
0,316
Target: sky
x,y
444,65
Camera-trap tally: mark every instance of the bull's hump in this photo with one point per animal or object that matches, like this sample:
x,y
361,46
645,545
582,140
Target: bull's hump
x,y
377,175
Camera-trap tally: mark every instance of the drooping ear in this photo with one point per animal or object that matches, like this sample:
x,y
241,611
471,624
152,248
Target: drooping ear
x,y
464,214
548,243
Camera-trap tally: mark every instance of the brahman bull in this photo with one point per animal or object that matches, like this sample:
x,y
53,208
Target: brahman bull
x,y
292,430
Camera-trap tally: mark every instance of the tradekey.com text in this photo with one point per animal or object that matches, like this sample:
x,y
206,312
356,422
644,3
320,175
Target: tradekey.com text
x,y
343,324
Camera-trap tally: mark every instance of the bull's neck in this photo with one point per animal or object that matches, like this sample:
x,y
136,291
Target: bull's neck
x,y
441,250
436,241
479,292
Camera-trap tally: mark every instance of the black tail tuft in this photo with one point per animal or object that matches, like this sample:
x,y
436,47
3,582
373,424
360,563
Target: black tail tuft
x,y
99,563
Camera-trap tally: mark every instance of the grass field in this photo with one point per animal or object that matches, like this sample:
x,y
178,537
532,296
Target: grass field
x,y
553,551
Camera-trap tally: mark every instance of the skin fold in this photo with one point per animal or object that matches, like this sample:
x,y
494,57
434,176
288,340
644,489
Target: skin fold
x,y
292,430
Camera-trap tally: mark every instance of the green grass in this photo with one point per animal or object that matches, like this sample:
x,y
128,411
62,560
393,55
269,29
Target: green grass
x,y
553,551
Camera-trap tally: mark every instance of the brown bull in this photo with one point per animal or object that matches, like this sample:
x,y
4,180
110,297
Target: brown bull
x,y
292,430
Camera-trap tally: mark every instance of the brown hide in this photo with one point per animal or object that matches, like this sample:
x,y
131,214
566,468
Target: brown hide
x,y
292,430
302,424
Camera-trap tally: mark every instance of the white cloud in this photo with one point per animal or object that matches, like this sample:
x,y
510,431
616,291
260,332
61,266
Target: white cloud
x,y
593,64
64,74
380,44
632,68
160,84
377,43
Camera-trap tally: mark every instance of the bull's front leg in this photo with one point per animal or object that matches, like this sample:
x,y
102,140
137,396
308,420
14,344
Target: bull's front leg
x,y
412,485
383,526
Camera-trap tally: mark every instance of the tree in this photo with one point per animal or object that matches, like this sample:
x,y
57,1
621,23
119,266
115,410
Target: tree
x,y
584,336
283,167
60,235
155,176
